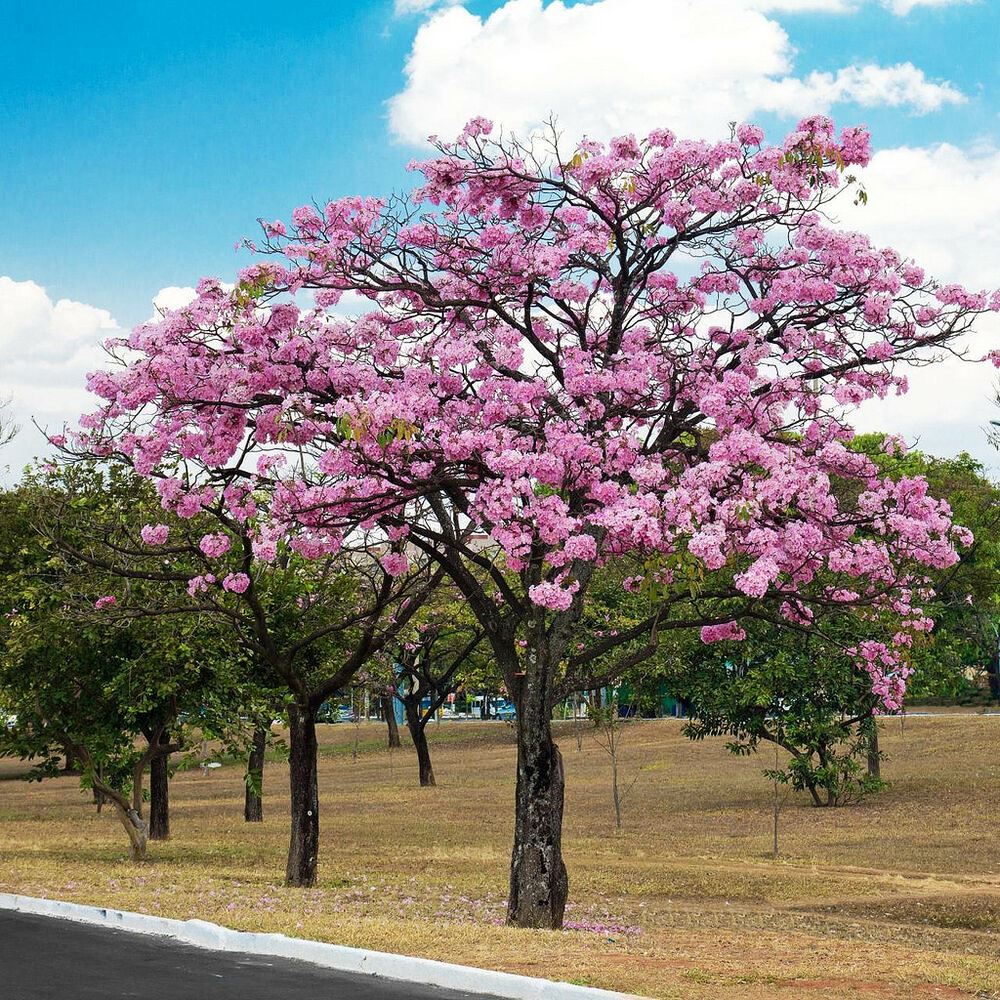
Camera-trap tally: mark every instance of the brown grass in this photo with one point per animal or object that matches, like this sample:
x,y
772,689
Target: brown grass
x,y
893,899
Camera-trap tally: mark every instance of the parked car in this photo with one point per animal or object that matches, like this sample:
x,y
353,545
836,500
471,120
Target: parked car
x,y
503,710
330,711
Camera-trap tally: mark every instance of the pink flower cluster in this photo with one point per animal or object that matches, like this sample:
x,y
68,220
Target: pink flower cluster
x,y
236,583
724,631
215,545
395,563
154,534
530,358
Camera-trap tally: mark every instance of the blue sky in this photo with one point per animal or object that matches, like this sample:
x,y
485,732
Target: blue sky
x,y
141,141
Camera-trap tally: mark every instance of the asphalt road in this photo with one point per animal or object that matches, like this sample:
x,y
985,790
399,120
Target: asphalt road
x,y
43,958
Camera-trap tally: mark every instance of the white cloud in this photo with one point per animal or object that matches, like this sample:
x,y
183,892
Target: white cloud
x,y
48,347
902,85
903,7
172,297
403,7
805,6
938,205
717,61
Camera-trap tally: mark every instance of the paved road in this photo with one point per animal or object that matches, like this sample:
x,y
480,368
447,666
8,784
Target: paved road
x,y
43,958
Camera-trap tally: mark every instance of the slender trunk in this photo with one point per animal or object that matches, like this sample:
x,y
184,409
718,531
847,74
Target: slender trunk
x,y
159,797
389,710
614,789
98,794
138,771
814,793
303,847
539,885
131,821
993,676
416,726
253,800
874,757
777,805
135,829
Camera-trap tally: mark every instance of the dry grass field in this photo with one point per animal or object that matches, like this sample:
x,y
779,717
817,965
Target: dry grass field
x,y
894,899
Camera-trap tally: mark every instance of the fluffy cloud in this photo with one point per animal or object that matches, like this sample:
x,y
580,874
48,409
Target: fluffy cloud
x,y
172,297
902,85
726,60
804,6
48,347
939,206
903,7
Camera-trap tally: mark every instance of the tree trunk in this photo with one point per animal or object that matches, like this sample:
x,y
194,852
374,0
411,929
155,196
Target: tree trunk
x,y
874,757
389,710
138,772
416,726
135,829
98,794
71,761
539,885
303,847
131,822
615,794
253,801
777,805
159,796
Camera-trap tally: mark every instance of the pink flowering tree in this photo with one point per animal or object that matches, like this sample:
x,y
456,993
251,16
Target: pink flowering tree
x,y
592,354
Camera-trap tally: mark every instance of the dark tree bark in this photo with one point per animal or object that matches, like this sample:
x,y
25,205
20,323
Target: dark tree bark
x,y
303,848
159,796
71,761
253,801
389,711
417,727
993,676
95,789
539,885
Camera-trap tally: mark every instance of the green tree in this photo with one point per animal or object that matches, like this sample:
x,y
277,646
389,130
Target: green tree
x,y
111,696
306,626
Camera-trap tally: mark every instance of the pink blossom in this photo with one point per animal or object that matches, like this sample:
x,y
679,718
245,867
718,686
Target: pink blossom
x,y
553,596
215,545
236,583
718,633
198,584
395,563
154,534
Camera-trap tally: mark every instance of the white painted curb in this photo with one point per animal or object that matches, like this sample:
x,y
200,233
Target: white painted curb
x,y
424,971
